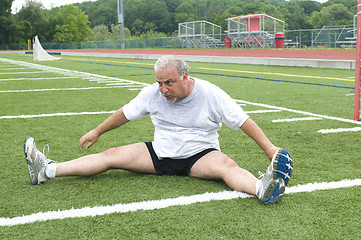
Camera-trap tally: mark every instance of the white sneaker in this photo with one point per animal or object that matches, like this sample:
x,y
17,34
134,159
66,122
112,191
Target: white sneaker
x,y
36,161
274,181
270,190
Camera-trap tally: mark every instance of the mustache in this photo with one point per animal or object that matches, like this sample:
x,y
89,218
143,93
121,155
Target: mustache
x,y
169,95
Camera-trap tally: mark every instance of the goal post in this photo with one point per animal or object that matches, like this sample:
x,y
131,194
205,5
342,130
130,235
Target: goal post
x,y
357,64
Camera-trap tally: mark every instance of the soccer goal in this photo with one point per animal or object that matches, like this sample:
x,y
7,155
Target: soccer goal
x,y
39,54
357,65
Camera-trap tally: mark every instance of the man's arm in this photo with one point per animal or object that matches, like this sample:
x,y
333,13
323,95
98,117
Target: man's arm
x,y
116,120
255,132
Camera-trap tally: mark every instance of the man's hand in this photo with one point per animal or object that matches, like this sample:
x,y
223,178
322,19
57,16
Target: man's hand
x,y
91,137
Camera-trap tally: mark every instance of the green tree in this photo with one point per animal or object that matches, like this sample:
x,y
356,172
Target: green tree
x,y
336,14
158,17
100,33
295,17
5,7
33,13
73,25
7,22
115,32
185,12
309,6
137,27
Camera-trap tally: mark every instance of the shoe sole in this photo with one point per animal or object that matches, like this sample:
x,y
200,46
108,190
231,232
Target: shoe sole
x,y
274,192
29,163
26,155
283,164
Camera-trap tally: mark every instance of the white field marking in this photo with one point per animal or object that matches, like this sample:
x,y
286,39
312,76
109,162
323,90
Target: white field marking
x,y
20,72
163,203
71,73
297,119
122,85
2,69
56,115
300,112
262,111
337,130
26,79
134,89
350,94
56,89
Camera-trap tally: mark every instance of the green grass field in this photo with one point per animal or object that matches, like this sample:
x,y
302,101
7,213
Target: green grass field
x,y
323,96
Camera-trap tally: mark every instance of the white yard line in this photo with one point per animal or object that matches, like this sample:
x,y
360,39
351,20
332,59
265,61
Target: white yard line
x,y
19,72
58,89
15,68
297,119
163,203
262,111
338,130
56,115
71,73
30,79
300,112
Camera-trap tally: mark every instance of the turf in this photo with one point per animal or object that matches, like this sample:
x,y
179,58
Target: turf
x,y
327,214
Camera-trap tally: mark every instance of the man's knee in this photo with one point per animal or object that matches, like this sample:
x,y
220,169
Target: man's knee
x,y
228,163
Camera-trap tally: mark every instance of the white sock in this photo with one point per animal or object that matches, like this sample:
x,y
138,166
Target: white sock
x,y
50,170
258,184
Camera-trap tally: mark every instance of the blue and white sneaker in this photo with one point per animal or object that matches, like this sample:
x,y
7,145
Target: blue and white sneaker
x,y
36,160
283,165
270,190
272,185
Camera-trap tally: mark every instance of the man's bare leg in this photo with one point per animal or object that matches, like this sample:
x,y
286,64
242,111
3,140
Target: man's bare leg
x,y
134,157
218,166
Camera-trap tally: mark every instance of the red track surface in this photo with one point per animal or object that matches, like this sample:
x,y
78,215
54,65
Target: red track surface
x,y
258,53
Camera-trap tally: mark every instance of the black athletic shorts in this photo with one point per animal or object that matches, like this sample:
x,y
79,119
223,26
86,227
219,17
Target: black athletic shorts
x,y
169,166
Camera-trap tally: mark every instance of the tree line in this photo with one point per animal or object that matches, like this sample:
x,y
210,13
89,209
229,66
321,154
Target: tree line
x,y
96,21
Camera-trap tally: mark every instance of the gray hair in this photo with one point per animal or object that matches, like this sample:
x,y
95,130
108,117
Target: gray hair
x,y
167,61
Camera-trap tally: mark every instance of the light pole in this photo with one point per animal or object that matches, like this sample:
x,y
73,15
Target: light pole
x,y
121,22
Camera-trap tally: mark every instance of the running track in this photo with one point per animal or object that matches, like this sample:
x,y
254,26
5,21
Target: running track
x,y
257,53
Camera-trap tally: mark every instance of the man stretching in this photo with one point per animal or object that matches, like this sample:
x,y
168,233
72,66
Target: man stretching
x,y
186,113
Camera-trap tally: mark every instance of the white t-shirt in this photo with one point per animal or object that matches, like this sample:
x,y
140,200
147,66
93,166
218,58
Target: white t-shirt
x,y
187,126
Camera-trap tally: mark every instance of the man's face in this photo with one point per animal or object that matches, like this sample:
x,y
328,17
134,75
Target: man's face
x,y
170,85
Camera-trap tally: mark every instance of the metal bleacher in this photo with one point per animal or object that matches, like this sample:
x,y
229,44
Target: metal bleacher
x,y
254,31
200,34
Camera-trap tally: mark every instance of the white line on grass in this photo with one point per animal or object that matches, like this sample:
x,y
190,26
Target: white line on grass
x,y
2,69
300,112
19,72
56,115
71,73
262,111
297,119
25,79
57,89
163,203
337,130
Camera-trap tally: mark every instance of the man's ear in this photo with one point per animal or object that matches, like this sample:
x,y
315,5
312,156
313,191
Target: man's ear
x,y
185,77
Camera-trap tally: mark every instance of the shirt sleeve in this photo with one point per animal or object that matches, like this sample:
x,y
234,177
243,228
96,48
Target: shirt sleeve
x,y
137,107
229,112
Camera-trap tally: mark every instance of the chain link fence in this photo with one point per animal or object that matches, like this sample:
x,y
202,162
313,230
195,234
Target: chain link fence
x,y
328,37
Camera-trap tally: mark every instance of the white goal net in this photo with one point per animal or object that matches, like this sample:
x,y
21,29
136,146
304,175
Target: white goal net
x,y
39,54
